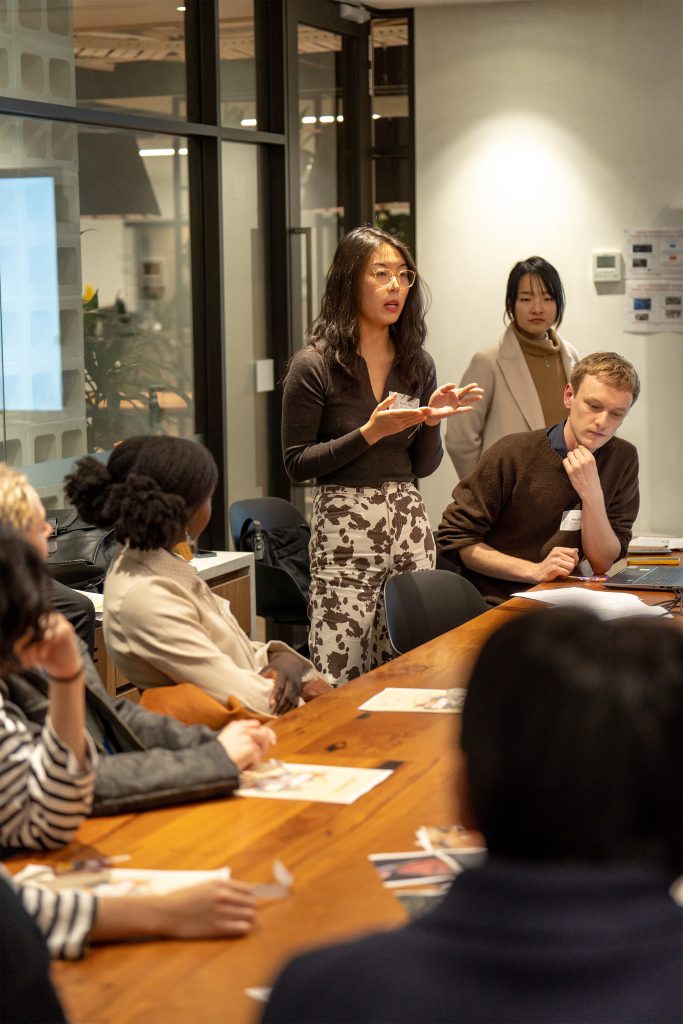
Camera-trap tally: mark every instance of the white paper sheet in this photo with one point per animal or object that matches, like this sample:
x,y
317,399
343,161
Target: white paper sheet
x,y
605,605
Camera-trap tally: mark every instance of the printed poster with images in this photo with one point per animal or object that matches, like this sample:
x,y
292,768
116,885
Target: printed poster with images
x,y
654,280
654,306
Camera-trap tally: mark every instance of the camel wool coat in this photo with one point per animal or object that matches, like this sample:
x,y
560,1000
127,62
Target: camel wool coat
x,y
510,404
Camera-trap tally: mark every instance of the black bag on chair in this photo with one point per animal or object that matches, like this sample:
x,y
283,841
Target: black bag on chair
x,y
285,547
83,553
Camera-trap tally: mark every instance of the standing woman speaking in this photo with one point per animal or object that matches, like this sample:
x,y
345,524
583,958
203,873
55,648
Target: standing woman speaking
x,y
361,417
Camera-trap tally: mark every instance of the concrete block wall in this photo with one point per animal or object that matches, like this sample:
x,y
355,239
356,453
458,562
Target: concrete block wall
x,y
37,62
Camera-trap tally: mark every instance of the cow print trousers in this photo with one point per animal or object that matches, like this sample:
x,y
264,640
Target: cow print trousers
x,y
359,537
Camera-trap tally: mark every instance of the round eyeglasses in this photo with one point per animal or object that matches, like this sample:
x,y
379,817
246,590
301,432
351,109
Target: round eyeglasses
x,y
385,278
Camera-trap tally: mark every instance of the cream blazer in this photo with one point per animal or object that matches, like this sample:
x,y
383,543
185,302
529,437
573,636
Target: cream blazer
x,y
510,403
162,625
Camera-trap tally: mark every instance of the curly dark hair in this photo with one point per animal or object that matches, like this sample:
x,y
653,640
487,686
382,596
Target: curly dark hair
x,y
147,491
335,332
23,597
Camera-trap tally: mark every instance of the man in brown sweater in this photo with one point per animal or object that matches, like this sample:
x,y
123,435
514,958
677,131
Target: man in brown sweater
x,y
539,502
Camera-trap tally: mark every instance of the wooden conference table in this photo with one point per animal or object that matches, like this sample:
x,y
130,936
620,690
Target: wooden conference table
x,y
336,891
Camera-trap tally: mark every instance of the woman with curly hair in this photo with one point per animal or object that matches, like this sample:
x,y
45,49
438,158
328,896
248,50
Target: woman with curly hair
x,y
361,417
162,624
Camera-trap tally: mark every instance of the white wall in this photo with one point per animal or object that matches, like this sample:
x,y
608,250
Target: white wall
x,y
545,129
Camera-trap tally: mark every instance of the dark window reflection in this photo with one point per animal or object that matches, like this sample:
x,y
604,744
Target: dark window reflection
x,y
130,55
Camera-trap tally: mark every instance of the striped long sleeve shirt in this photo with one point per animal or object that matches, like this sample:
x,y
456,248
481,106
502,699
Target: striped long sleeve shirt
x,y
43,799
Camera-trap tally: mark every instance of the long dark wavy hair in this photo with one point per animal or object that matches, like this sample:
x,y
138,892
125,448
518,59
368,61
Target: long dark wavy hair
x,y
335,331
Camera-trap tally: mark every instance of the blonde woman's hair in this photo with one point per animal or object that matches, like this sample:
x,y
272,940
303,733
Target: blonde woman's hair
x,y
15,499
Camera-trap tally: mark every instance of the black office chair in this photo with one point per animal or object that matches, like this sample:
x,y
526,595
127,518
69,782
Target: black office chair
x,y
424,604
279,599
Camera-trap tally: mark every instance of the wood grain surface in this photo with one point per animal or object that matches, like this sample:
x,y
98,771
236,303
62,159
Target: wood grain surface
x,y
336,891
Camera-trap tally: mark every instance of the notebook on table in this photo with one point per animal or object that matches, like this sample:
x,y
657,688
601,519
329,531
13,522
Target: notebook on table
x,y
659,577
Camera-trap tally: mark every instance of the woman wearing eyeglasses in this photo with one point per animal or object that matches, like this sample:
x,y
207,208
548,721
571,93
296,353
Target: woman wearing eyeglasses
x,y
361,417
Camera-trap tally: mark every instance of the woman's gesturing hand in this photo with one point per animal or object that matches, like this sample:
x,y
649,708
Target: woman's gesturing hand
x,y
386,421
448,400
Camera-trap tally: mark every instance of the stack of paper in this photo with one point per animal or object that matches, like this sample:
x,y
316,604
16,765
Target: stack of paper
x,y
604,605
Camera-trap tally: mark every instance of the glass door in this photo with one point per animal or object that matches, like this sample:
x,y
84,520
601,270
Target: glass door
x,y
329,133
329,167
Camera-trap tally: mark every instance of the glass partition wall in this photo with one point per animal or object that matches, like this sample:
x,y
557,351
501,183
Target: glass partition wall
x,y
95,313
159,261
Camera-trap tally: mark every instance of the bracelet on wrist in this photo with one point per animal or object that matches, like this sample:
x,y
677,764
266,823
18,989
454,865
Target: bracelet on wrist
x,y
67,679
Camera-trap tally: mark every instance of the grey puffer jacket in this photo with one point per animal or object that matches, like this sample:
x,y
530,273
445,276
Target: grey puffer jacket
x,y
147,760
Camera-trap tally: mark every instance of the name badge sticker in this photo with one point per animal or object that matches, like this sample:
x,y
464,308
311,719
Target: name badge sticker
x,y
571,520
405,401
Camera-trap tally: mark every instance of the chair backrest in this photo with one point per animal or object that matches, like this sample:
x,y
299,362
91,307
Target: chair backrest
x,y
278,596
270,512
424,604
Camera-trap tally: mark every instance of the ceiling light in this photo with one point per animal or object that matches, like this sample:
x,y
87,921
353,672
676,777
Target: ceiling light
x,y
327,118
309,119
248,122
182,151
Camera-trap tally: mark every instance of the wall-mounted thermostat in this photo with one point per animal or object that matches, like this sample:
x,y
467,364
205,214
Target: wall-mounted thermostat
x,y
607,265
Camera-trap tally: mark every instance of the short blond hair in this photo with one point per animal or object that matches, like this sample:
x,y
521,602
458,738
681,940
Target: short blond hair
x,y
610,368
15,499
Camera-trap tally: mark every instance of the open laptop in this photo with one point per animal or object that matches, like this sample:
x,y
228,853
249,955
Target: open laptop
x,y
650,577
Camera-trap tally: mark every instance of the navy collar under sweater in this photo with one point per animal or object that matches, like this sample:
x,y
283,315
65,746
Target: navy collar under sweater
x,y
558,443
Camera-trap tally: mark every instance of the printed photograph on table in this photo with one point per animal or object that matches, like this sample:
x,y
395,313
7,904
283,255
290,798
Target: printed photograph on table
x,y
395,698
399,869
450,837
317,782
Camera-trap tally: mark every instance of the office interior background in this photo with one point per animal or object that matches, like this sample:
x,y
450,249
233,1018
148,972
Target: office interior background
x,y
174,179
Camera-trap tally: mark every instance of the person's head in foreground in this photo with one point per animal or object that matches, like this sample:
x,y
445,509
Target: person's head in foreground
x,y
154,491
572,733
602,388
